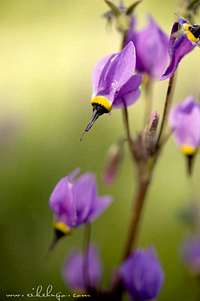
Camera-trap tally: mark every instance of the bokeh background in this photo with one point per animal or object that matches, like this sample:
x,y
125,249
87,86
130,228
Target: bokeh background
x,y
47,53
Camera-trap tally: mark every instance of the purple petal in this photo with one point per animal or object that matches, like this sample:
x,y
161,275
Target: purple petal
x,y
185,122
142,275
191,254
99,206
73,271
62,204
173,37
74,201
116,72
151,48
100,68
84,196
129,93
181,47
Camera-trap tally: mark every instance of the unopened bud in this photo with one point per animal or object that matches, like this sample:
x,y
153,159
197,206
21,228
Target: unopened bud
x,y
113,160
150,133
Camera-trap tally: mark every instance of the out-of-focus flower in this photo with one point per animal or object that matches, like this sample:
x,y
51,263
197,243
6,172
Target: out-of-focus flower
x,y
115,83
185,122
80,272
142,275
113,160
191,254
74,201
151,45
180,44
190,214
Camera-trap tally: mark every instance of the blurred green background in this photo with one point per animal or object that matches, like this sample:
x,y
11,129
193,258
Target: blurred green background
x,y
48,50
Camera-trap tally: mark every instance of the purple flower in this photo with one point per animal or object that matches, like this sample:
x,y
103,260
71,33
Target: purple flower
x,y
74,201
114,83
185,123
179,46
79,276
142,275
191,254
151,45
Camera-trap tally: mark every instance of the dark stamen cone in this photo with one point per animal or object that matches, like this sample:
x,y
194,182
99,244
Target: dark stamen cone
x,y
56,237
190,164
60,230
98,110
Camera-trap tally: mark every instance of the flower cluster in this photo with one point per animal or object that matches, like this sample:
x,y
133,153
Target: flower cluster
x,y
116,83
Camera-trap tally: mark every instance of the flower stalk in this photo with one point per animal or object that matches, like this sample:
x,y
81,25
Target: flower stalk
x,y
86,245
168,101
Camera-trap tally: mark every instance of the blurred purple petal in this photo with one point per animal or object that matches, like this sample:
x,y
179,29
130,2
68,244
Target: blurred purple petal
x,y
181,47
76,202
191,254
151,48
73,271
142,275
185,122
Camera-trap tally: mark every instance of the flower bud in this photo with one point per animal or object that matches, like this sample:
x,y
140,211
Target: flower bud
x,y
113,160
150,133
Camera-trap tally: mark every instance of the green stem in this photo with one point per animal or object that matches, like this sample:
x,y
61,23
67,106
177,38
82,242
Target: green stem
x,y
168,101
86,245
138,204
148,91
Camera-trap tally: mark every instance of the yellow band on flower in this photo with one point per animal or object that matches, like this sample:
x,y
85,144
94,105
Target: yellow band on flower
x,y
189,34
102,101
62,227
187,149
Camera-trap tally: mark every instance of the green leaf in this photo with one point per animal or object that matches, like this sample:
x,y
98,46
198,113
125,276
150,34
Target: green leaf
x,y
113,8
132,7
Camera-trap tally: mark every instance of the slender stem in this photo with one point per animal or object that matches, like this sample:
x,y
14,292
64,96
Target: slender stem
x,y
127,129
168,101
138,204
148,91
86,244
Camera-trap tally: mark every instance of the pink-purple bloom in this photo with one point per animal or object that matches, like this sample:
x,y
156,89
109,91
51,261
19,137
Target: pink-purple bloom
x,y
191,254
185,122
115,83
179,46
74,201
80,275
142,275
151,45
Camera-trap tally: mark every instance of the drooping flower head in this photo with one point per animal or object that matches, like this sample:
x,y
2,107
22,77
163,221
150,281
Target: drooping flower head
x,y
80,276
142,275
115,83
191,254
185,122
151,45
74,201
181,43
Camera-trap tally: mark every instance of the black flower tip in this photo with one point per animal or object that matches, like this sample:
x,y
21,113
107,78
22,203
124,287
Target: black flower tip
x,y
98,110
